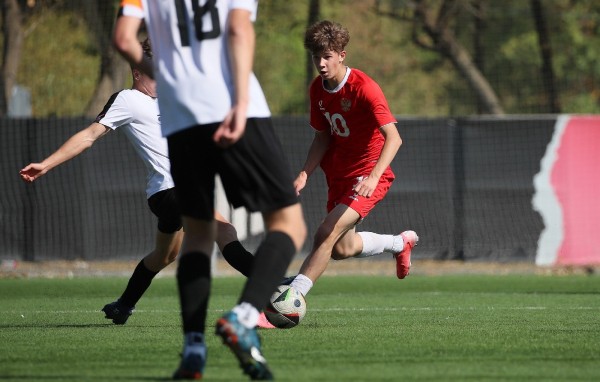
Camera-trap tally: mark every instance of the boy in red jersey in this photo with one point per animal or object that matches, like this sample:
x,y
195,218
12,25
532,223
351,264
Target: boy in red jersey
x,y
355,141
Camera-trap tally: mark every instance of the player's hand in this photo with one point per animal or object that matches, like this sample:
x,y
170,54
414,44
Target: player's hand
x,y
366,186
231,129
32,171
300,182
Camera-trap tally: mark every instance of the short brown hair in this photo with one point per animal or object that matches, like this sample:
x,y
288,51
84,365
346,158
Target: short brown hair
x,y
326,36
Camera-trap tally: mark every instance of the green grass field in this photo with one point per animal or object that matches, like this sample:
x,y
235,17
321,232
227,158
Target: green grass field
x,y
358,328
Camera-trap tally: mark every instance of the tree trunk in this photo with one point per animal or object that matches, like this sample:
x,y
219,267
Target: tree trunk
x,y
313,15
445,43
13,41
463,63
546,52
113,68
478,45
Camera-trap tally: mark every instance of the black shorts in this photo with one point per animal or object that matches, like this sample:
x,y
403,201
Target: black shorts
x,y
164,205
254,171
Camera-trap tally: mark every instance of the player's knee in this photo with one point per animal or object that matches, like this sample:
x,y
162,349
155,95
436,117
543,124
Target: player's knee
x,y
163,261
341,252
336,256
158,260
226,233
171,257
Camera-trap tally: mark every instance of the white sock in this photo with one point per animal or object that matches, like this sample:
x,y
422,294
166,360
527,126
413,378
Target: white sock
x,y
302,284
398,244
375,244
194,343
247,314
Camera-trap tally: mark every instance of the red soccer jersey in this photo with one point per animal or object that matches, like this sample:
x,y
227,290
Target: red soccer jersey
x,y
353,114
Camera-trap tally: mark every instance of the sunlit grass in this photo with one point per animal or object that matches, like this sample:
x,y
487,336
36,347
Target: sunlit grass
x,y
442,328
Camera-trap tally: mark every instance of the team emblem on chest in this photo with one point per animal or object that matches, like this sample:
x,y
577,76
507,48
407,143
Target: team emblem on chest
x,y
345,103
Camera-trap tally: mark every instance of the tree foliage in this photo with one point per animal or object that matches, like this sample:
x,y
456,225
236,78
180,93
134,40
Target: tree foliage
x,y
431,57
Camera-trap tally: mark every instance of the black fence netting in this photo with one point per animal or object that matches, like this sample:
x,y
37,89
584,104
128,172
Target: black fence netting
x,y
465,185
93,206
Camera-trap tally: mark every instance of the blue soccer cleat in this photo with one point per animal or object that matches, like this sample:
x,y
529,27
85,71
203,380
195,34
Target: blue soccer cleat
x,y
245,345
191,367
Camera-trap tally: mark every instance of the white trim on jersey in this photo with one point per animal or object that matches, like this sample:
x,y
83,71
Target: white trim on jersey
x,y
340,85
138,116
133,11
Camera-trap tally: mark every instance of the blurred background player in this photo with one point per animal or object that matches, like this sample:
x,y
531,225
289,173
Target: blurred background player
x,y
217,121
135,112
355,141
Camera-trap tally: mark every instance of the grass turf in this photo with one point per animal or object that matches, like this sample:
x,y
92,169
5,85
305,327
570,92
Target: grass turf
x,y
359,328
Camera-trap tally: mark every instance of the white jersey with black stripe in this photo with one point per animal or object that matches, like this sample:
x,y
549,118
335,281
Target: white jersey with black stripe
x,y
193,76
137,115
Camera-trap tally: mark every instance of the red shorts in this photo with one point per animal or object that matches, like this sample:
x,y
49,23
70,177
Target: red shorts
x,y
342,192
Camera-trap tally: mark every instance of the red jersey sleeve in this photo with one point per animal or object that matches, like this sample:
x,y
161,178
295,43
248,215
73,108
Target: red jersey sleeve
x,y
378,103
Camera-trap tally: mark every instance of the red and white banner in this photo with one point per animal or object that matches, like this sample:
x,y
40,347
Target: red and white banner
x,y
567,194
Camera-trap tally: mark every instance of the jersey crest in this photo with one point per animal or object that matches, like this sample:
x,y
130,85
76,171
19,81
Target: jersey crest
x,y
345,103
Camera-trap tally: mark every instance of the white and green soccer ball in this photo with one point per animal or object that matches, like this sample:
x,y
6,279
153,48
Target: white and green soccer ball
x,y
286,308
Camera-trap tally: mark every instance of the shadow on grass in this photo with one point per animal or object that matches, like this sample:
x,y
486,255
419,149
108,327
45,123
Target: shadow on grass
x,y
79,326
38,377
57,326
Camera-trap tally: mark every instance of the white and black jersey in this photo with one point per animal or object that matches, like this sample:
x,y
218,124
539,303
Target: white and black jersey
x,y
137,115
195,93
193,76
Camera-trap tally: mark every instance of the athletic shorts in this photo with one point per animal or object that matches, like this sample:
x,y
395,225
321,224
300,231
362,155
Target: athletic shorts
x,y
342,192
164,205
254,171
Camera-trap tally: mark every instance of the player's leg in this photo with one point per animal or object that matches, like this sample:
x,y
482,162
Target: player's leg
x,y
365,244
232,250
400,246
284,238
194,285
168,240
282,223
193,161
349,245
339,221
165,252
255,174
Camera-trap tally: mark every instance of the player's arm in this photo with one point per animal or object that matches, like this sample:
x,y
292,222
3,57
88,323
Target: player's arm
x,y
126,42
74,146
241,44
317,150
390,148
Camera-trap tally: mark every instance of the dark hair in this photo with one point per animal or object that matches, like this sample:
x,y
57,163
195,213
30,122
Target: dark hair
x,y
147,47
326,35
146,53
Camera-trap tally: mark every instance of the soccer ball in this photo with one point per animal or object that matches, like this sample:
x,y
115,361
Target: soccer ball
x,y
287,307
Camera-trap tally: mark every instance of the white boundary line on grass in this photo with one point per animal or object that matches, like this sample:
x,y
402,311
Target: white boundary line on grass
x,y
387,309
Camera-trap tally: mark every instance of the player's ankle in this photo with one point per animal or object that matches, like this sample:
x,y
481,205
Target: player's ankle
x,y
302,284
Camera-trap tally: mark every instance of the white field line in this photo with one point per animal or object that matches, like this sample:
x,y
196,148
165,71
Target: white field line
x,y
331,309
